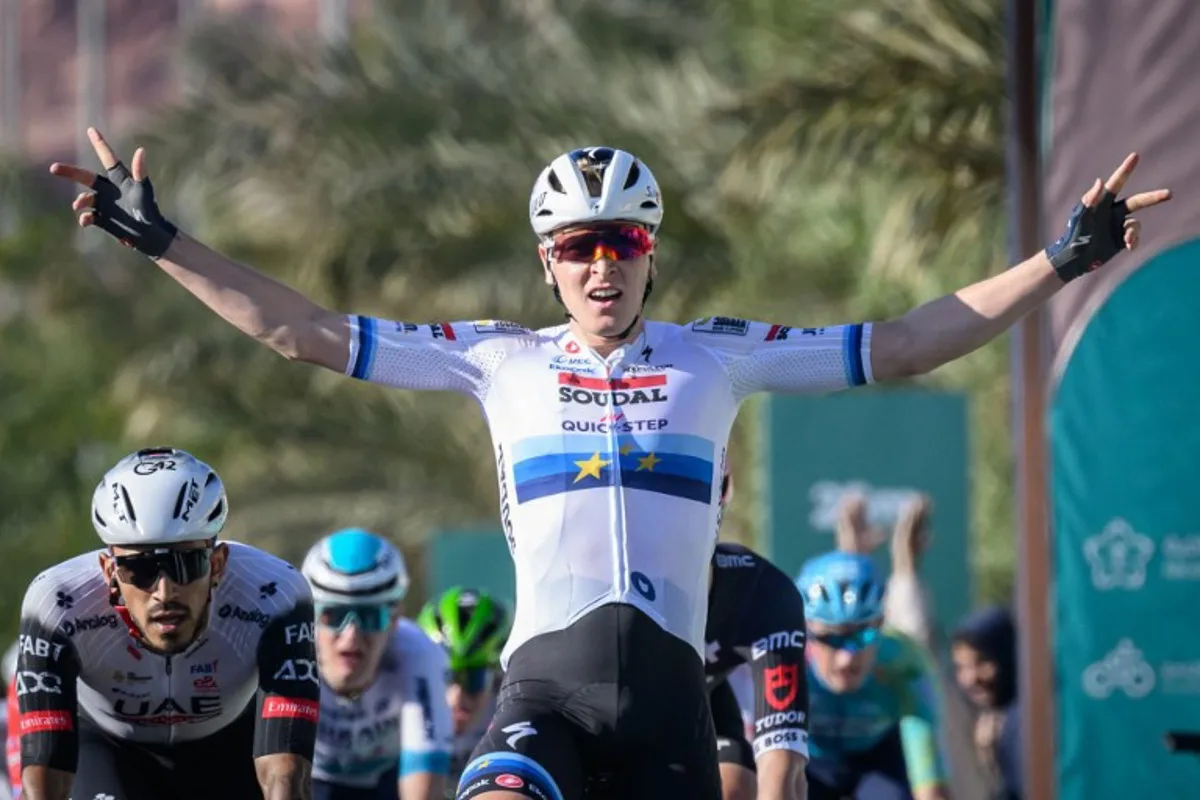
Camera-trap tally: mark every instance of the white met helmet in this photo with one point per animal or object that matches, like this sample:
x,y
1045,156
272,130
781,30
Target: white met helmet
x,y
595,184
159,496
354,566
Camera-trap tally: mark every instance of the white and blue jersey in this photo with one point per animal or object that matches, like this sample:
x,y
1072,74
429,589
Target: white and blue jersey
x,y
401,720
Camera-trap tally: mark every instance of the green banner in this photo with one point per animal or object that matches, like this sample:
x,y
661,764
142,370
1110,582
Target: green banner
x,y
887,444
477,559
1125,460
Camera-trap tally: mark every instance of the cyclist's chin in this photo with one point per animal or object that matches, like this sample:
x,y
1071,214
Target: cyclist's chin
x,y
173,639
606,323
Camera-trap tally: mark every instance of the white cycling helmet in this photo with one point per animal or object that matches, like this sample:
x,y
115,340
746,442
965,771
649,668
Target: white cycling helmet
x,y
159,496
354,566
595,184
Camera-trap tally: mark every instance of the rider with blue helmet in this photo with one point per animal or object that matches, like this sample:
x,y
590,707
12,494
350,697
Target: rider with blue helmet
x,y
385,728
872,691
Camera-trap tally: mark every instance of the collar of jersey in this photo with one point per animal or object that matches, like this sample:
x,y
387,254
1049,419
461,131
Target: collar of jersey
x,y
571,345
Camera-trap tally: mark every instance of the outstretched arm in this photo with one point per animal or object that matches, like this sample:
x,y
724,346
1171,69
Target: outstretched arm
x,y
953,326
122,204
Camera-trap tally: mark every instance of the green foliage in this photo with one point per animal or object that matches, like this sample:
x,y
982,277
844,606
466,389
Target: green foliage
x,y
821,161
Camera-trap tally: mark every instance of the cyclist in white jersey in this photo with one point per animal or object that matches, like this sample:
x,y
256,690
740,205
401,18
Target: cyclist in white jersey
x,y
609,433
166,664
385,728
471,625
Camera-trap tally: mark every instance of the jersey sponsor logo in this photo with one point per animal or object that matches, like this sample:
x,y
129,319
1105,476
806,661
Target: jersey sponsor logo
x,y
500,326
36,646
275,707
614,426
509,781
29,682
95,622
505,503
121,677
206,684
782,684
376,735
170,711
780,640
777,333
726,325
786,739
647,369
611,391
407,327
479,784
643,585
45,722
237,612
207,668
781,718
581,364
301,632
735,561
442,330
189,502
297,669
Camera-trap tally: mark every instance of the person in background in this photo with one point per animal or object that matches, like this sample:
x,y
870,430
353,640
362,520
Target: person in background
x,y
10,784
984,649
472,626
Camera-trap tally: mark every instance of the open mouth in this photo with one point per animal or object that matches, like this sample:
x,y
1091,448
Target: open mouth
x,y
168,621
607,295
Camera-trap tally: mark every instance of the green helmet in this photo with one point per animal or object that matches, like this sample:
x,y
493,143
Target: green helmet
x,y
470,624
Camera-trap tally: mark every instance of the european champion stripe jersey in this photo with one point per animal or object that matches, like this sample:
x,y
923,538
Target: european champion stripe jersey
x,y
610,468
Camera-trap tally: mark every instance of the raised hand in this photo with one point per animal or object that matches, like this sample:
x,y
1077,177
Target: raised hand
x,y
1100,226
121,203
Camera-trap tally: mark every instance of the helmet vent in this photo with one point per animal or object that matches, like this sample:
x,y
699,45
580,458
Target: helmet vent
x,y
634,173
128,503
555,183
216,512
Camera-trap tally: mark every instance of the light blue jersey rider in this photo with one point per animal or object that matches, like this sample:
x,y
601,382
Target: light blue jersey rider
x,y
385,729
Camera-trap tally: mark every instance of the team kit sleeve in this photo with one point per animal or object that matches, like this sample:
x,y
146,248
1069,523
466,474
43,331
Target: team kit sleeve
x,y
920,712
776,639
47,668
289,688
761,357
426,730
442,356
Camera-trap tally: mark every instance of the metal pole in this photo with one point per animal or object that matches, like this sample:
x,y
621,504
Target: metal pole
x,y
10,76
333,20
1029,407
90,84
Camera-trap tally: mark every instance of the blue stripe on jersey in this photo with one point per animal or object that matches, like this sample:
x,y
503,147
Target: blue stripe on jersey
x,y
673,464
519,765
366,348
435,763
852,353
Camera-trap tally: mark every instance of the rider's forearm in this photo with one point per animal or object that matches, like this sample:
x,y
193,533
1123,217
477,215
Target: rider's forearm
x,y
44,783
953,326
259,306
284,777
423,786
781,776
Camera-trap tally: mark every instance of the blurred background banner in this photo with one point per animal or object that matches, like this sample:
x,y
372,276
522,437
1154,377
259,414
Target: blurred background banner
x,y
1122,394
889,445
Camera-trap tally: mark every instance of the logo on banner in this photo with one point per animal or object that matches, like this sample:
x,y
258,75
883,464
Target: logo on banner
x,y
1124,669
1118,556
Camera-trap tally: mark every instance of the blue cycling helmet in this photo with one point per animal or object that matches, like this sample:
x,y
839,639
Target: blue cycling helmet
x,y
355,566
841,589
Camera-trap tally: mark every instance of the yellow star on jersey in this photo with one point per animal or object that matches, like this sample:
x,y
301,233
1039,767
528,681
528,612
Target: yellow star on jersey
x,y
626,449
591,467
648,462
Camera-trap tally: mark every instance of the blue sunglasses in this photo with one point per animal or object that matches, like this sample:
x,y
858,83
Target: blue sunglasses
x,y
850,642
367,618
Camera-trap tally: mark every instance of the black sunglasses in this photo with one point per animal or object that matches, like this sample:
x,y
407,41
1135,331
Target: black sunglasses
x,y
180,566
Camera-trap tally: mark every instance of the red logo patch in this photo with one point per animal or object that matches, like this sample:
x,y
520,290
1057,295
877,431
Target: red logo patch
x,y
782,685
509,781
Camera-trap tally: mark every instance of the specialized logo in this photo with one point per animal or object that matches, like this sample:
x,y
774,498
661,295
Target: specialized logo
x,y
782,685
519,731
726,325
573,388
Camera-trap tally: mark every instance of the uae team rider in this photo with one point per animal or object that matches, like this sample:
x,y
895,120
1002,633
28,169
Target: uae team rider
x,y
385,728
167,663
609,434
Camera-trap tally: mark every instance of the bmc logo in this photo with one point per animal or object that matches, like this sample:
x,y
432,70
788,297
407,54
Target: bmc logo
x,y
734,561
779,640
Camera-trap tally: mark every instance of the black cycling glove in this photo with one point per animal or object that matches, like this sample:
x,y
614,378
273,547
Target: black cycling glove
x,y
125,208
1093,236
